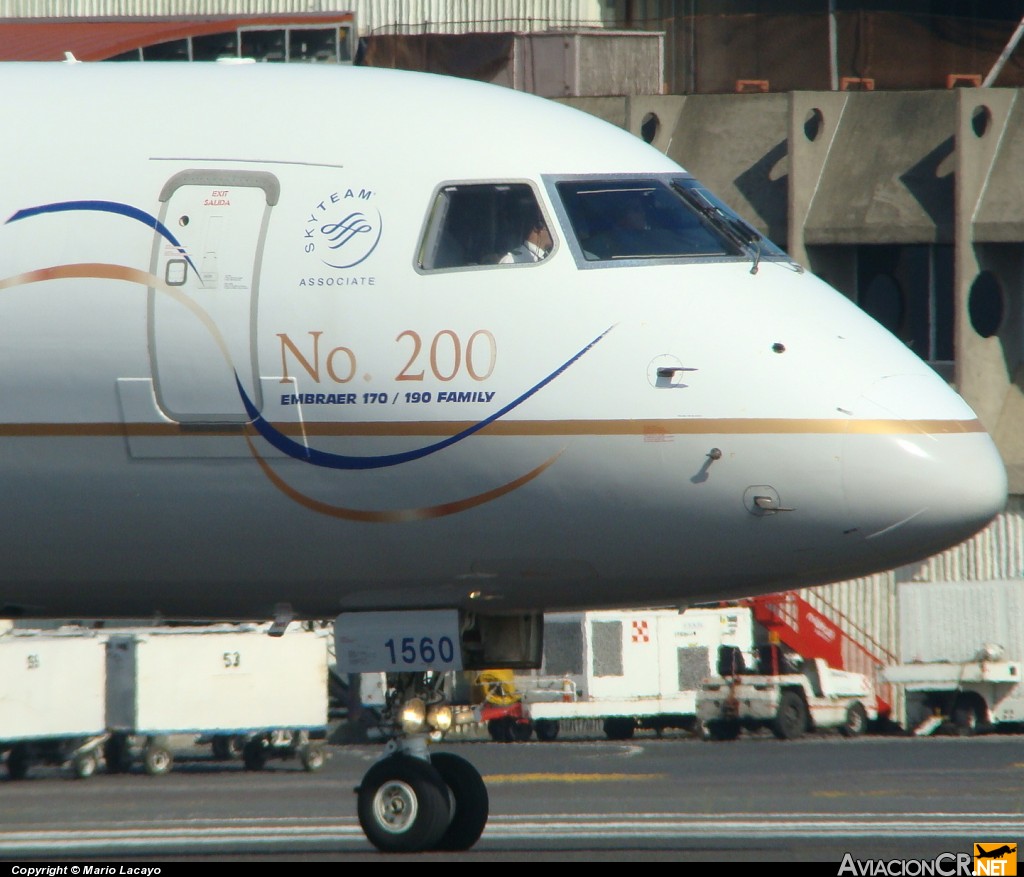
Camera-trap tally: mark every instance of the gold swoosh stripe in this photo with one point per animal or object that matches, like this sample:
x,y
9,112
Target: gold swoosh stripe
x,y
644,428
394,516
105,271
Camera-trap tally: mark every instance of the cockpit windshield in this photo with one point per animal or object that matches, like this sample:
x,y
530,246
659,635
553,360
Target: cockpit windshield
x,y
632,218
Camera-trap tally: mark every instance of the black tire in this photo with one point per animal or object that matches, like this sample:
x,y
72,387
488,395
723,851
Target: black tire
x,y
967,716
157,759
84,765
312,757
791,720
500,730
522,731
469,802
254,755
226,747
19,759
403,805
619,728
856,723
117,754
546,730
722,731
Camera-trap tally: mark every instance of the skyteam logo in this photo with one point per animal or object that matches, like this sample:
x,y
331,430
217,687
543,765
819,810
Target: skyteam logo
x,y
343,229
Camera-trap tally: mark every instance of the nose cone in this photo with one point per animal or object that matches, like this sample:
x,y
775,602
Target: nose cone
x,y
920,473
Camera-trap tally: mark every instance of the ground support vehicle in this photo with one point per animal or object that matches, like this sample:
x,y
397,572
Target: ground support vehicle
x,y
163,682
73,695
962,655
508,724
497,703
257,749
787,695
51,700
634,670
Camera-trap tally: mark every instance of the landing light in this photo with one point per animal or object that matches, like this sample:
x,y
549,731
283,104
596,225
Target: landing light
x,y
439,717
414,716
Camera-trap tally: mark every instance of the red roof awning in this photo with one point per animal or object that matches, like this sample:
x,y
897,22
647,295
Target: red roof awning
x,y
99,39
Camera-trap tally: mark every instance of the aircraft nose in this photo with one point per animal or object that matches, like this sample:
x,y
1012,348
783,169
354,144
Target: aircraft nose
x,y
920,474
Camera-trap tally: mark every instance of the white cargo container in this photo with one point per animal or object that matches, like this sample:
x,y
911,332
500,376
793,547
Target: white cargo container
x,y
51,698
227,682
633,669
961,653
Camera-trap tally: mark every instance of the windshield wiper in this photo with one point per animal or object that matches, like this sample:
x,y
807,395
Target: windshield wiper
x,y
734,228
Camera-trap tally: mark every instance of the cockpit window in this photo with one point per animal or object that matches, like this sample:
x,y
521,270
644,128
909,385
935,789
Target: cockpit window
x,y
484,224
657,218
637,219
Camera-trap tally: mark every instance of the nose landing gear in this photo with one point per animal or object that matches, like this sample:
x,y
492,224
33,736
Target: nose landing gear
x,y
411,801
403,805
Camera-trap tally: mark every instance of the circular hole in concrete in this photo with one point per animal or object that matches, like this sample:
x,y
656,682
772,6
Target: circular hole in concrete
x,y
980,119
812,124
883,300
985,304
649,127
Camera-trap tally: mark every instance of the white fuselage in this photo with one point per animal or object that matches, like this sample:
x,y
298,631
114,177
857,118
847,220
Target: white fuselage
x,y
183,247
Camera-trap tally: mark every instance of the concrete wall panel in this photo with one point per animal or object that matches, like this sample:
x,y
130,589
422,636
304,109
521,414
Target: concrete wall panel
x,y
814,119
611,109
989,370
667,109
886,179
736,144
997,117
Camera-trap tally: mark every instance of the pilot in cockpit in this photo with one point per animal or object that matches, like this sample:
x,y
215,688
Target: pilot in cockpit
x,y
535,237
632,233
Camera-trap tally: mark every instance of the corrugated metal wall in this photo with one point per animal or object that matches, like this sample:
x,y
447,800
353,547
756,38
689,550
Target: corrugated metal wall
x,y
957,621
866,608
467,16
995,553
372,16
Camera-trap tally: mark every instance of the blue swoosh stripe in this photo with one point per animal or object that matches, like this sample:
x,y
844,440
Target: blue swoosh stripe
x,y
341,461
105,207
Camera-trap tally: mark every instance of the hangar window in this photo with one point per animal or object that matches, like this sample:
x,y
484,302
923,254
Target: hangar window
x,y
331,44
213,46
478,224
909,290
173,50
312,45
265,44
